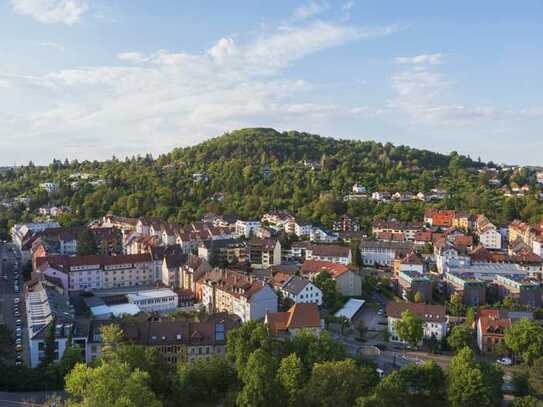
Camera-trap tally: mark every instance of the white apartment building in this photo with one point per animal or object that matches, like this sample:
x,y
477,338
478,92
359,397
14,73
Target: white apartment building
x,y
99,272
300,290
225,290
50,187
20,231
436,322
247,228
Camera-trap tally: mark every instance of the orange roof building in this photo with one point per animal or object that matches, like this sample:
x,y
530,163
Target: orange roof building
x,y
298,317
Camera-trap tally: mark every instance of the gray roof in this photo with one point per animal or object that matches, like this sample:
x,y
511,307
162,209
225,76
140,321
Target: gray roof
x,y
295,285
373,244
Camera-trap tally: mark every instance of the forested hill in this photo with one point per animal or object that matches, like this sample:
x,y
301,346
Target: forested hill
x,y
250,171
264,145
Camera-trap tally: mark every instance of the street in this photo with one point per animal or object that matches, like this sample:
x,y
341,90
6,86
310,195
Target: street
x,y
387,356
9,267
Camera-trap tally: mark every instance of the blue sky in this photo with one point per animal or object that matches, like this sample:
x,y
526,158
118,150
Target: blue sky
x,y
89,79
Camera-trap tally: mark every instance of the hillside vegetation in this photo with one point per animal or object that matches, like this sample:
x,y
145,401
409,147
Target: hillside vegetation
x,y
236,166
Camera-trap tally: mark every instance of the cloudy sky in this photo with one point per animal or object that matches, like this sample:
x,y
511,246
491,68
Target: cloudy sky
x,y
89,79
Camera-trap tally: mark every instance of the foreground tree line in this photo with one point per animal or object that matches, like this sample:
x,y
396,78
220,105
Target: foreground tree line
x,y
261,371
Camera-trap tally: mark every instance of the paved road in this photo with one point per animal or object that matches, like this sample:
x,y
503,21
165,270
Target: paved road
x,y
10,264
29,399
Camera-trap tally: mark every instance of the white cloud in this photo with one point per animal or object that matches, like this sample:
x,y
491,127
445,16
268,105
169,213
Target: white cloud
x,y
54,45
132,57
423,59
225,47
422,93
52,11
310,9
153,102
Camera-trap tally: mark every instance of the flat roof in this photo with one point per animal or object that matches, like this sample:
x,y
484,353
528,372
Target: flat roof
x,y
159,293
350,308
124,309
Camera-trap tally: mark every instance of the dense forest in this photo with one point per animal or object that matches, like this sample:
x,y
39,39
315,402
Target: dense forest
x,y
250,171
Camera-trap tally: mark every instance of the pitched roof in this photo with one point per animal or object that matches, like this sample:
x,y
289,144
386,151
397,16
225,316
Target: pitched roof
x,y
493,322
295,284
316,266
299,316
175,260
430,313
330,250
94,260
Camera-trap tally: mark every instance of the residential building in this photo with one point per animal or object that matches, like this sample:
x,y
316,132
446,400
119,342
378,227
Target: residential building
x,y
264,253
21,232
79,273
222,251
408,231
346,224
525,291
171,269
411,282
329,253
471,289
299,317
191,272
491,327
46,303
301,290
381,196
439,217
302,228
247,228
488,234
49,187
278,219
359,189
181,341
383,253
235,293
348,282
321,234
448,255
412,261
434,316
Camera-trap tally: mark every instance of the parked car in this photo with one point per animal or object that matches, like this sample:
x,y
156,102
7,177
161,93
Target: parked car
x,y
16,300
18,322
17,314
504,361
19,348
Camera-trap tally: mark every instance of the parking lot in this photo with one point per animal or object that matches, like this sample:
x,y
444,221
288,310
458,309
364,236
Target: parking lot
x,y
11,302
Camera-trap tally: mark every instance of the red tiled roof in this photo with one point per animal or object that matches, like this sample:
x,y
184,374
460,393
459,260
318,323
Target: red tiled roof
x,y
492,322
299,316
316,266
